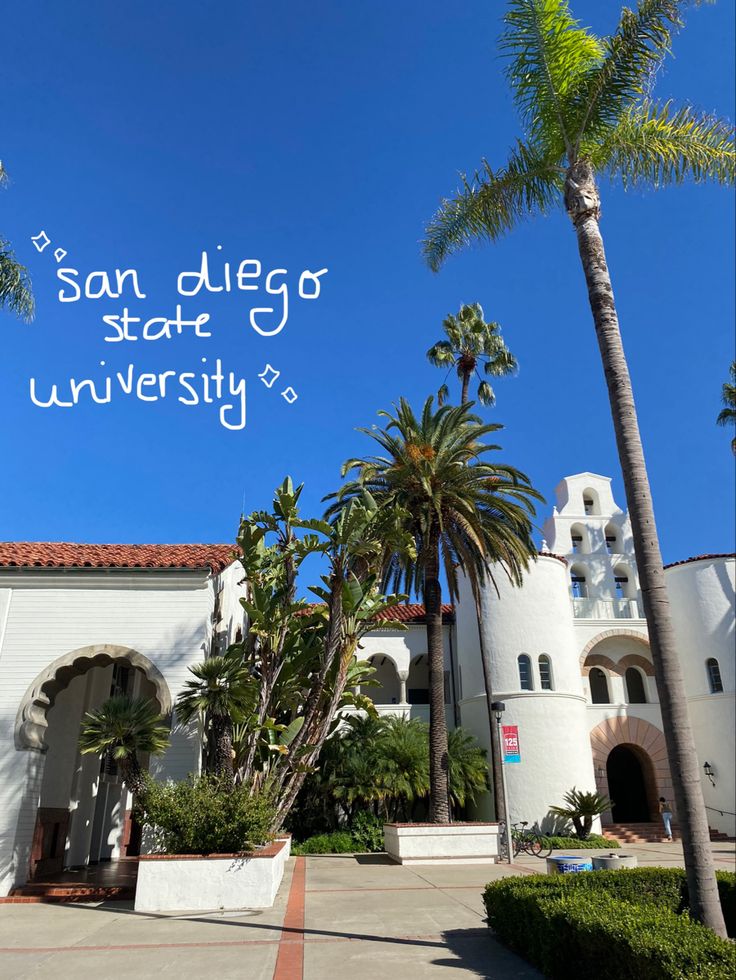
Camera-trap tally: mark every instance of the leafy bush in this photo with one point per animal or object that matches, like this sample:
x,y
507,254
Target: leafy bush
x,y
611,924
338,842
581,807
367,832
727,894
202,815
563,843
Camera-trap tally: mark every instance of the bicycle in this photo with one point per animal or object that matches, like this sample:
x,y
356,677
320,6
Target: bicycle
x,y
526,841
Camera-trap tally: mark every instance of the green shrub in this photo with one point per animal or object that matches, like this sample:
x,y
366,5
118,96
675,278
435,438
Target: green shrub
x,y
338,842
727,893
367,831
611,924
203,816
565,843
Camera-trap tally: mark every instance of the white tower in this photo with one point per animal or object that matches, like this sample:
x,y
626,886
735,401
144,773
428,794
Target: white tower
x,y
536,673
594,534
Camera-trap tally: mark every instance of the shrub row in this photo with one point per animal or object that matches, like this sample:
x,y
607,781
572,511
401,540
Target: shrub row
x,y
365,834
611,924
201,815
568,843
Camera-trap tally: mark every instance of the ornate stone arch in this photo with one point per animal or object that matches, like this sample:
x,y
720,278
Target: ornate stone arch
x,y
31,721
618,631
598,660
636,660
648,742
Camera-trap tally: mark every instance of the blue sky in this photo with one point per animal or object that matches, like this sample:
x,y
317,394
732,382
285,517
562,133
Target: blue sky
x,y
323,135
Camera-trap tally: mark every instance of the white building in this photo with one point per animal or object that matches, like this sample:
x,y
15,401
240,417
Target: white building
x,y
570,660
568,650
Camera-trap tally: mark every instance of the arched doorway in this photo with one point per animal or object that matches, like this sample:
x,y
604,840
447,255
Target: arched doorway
x,y
83,812
627,785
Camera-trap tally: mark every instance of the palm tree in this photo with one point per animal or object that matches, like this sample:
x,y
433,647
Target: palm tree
x,y
15,283
218,695
468,767
727,415
123,728
470,342
461,512
586,109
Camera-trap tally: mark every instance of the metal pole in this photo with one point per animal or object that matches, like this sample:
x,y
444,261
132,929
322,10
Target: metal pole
x,y
506,807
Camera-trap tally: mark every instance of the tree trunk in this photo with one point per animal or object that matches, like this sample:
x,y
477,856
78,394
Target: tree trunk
x,y
130,770
583,205
223,739
498,797
464,392
438,762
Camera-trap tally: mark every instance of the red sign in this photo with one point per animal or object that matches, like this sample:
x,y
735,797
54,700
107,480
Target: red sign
x,y
511,750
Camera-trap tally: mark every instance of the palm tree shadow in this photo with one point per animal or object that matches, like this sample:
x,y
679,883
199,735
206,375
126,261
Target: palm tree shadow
x,y
478,951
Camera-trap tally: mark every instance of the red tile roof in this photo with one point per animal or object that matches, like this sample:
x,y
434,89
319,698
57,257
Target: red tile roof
x,y
686,561
63,554
414,613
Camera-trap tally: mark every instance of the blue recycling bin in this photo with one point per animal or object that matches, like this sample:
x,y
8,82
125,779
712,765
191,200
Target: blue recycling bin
x,y
565,864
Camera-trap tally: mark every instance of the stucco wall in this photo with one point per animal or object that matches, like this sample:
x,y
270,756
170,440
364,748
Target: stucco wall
x,y
702,598
535,619
166,617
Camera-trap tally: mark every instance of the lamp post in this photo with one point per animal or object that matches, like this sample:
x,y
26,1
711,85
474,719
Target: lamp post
x,y
709,772
498,708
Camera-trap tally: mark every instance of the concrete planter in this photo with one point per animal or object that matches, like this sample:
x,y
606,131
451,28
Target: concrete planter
x,y
447,843
171,882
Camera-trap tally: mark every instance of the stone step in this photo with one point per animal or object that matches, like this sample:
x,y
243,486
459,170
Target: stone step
x,y
63,892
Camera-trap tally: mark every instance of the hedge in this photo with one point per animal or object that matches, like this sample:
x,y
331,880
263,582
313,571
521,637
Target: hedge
x,y
611,924
338,842
568,843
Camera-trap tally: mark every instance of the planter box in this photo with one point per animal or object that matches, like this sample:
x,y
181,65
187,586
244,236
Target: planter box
x,y
446,843
183,882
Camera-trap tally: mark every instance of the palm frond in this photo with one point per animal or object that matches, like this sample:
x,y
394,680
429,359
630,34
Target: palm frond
x,y
549,52
632,55
493,203
659,145
15,284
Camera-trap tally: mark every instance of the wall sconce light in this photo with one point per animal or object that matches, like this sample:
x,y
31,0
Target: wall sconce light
x,y
601,773
708,770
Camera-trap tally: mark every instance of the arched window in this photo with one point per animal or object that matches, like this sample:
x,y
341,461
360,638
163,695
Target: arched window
x,y
579,539
598,686
579,583
525,673
590,502
624,583
545,673
613,540
635,686
714,676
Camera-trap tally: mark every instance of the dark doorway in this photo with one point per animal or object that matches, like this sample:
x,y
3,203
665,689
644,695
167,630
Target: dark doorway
x,y
627,786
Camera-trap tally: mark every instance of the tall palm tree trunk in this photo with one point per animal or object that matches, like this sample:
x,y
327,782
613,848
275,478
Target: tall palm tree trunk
x,y
466,385
439,811
583,205
499,800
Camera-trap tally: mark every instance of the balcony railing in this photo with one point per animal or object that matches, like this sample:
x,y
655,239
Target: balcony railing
x,y
606,609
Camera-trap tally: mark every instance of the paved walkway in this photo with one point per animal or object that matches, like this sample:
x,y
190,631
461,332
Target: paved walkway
x,y
335,916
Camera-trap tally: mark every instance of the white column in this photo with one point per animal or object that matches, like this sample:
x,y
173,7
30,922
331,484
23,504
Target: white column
x,y
403,676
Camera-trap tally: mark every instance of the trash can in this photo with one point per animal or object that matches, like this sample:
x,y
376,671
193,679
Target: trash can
x,y
606,862
628,860
612,862
568,864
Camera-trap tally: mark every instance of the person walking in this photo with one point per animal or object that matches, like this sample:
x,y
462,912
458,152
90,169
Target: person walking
x,y
665,809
